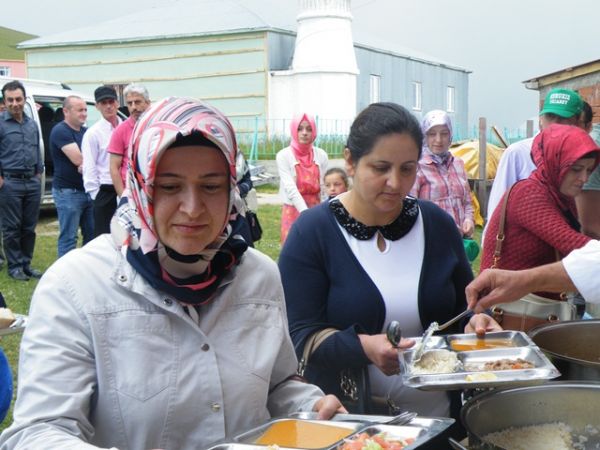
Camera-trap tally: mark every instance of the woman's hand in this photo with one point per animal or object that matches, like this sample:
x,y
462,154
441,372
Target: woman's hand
x,y
467,228
328,406
481,324
382,353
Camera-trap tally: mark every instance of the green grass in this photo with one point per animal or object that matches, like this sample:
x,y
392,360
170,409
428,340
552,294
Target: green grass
x,y
18,293
270,219
268,188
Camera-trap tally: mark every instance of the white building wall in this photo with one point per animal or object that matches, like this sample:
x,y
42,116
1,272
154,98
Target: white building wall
x,y
331,97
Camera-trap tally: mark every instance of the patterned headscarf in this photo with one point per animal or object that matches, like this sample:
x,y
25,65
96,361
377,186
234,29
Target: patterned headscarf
x,y
554,151
192,279
303,152
432,119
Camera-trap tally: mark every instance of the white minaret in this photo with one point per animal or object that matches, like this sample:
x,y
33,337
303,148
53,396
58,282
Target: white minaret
x,y
322,79
324,39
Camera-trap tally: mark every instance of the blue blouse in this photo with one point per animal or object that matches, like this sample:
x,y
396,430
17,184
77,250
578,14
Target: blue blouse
x,y
6,388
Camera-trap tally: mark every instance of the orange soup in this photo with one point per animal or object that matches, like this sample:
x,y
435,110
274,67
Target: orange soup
x,y
300,434
479,344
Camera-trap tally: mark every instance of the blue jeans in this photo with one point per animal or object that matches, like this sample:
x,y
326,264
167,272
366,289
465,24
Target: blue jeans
x,y
75,209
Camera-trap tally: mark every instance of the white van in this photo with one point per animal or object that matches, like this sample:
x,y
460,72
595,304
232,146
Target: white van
x,y
44,104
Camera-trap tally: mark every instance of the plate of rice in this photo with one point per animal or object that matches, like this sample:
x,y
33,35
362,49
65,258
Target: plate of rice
x,y
436,361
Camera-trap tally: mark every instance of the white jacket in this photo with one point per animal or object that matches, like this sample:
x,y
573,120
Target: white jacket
x,y
582,267
108,360
286,165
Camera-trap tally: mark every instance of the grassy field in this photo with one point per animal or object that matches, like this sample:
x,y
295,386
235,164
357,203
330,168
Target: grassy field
x,y
18,293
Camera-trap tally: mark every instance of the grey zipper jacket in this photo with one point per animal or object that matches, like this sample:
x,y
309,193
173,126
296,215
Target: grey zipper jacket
x,y
109,362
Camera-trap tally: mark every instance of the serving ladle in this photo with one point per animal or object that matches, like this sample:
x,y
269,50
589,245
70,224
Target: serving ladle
x,y
432,328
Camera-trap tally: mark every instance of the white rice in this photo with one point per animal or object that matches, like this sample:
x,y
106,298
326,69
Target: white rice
x,y
436,361
555,436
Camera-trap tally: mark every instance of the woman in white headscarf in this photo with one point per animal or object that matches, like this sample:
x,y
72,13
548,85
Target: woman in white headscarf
x,y
441,178
172,334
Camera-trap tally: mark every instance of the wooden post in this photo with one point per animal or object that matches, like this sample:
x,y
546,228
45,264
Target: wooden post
x,y
529,131
481,192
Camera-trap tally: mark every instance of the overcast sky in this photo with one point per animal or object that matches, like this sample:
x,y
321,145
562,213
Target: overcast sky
x,y
503,42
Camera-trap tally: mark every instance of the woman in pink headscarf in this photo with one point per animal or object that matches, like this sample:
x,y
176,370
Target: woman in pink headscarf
x,y
301,167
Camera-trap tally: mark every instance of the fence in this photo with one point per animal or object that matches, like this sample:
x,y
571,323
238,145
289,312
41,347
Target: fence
x,y
261,139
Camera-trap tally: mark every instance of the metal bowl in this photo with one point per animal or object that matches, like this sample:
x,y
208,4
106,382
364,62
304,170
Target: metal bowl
x,y
571,347
576,404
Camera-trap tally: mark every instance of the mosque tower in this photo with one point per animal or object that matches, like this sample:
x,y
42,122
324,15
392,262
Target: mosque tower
x,y
323,75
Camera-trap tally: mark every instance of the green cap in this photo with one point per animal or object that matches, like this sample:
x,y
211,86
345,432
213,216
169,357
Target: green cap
x,y
562,102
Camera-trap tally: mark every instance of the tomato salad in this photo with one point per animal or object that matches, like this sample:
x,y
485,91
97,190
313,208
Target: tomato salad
x,y
377,442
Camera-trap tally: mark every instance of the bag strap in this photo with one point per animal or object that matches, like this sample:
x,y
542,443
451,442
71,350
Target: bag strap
x,y
501,235
312,343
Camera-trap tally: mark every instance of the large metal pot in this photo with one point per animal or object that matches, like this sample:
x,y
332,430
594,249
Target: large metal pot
x,y
576,404
572,347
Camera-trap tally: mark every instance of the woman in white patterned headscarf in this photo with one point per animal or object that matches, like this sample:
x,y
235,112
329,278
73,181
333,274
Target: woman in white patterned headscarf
x,y
173,333
441,178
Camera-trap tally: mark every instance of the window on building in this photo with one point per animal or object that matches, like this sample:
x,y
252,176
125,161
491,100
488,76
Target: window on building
x,y
450,99
416,95
375,88
4,71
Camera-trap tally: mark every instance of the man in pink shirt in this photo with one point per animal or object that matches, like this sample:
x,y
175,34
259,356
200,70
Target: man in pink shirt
x,y
137,100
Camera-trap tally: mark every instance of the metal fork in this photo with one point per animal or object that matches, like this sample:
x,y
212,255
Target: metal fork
x,y
400,419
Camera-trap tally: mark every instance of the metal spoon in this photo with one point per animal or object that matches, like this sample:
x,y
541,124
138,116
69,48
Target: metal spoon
x,y
394,333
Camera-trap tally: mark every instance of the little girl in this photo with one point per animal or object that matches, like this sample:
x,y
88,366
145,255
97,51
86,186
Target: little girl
x,y
336,182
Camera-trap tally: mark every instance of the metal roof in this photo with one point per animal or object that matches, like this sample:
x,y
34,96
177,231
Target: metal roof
x,y
188,18
180,19
568,73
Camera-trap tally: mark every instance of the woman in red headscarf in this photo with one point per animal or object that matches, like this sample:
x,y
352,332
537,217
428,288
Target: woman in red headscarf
x,y
541,219
301,167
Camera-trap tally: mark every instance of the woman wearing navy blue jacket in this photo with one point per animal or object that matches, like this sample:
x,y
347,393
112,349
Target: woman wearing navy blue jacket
x,y
373,255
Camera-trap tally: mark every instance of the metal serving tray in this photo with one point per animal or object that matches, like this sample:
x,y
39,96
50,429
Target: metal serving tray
x,y
516,338
16,327
422,429
471,363
250,437
233,446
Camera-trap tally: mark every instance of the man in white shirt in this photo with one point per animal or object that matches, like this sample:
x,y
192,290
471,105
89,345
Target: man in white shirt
x,y
96,171
578,271
560,106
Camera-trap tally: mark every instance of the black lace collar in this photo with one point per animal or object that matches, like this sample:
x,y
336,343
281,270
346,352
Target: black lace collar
x,y
393,231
